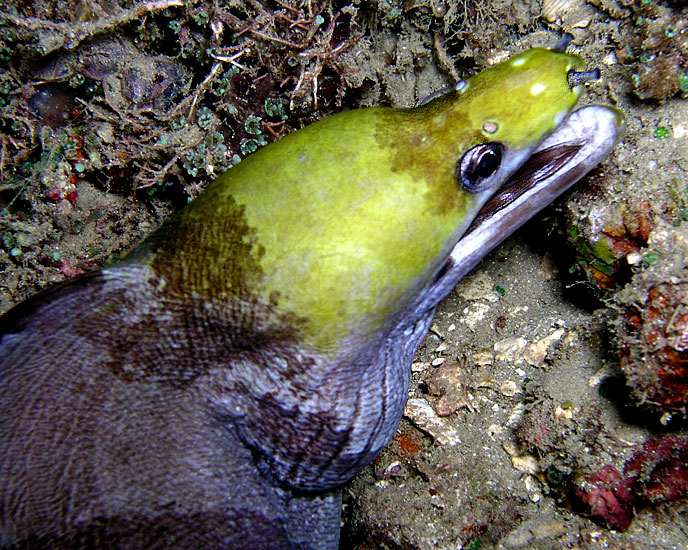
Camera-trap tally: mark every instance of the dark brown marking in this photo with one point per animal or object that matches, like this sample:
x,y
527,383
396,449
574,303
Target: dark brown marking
x,y
208,250
429,150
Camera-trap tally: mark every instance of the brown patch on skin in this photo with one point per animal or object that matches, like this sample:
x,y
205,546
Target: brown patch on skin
x,y
208,250
176,341
423,142
204,300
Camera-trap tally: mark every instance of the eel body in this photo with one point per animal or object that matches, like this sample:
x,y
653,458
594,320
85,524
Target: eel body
x,y
217,387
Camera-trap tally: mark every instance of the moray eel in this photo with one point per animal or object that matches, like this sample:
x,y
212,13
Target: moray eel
x,y
217,387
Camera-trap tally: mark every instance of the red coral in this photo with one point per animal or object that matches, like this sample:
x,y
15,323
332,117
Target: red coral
x,y
607,497
58,193
68,271
659,471
656,473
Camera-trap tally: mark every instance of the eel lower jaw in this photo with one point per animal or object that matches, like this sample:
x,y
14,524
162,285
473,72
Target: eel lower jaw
x,y
579,144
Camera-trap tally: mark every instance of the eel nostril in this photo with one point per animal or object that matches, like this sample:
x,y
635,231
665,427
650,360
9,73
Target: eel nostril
x,y
576,78
563,43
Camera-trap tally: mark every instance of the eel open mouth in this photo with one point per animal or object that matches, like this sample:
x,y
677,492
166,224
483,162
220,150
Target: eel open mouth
x,y
578,145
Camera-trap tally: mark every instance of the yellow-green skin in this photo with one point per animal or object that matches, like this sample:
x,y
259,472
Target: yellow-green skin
x,y
345,220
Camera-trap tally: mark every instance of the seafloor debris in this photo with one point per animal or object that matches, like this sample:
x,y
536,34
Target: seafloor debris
x,y
652,329
605,233
658,50
421,413
450,383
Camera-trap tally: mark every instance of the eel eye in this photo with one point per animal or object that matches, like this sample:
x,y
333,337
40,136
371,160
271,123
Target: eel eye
x,y
478,164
